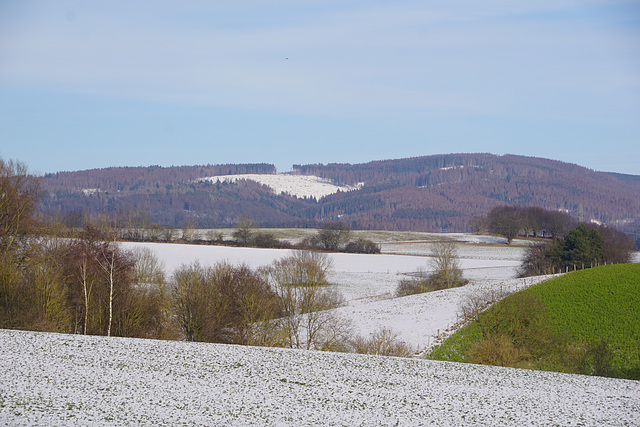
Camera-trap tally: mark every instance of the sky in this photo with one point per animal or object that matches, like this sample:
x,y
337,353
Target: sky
x,y
96,84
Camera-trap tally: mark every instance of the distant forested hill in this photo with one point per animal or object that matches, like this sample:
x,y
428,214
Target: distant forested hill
x,y
430,193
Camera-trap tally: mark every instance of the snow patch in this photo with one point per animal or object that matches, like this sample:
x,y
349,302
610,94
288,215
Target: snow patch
x,y
90,191
294,185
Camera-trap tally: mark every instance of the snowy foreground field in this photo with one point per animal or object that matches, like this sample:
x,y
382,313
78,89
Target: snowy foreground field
x,y
53,379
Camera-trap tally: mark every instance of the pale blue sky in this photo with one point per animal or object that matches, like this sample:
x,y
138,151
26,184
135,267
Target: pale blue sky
x,y
86,84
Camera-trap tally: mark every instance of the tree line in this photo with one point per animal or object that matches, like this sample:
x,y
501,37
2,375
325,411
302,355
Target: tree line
x,y
582,247
564,244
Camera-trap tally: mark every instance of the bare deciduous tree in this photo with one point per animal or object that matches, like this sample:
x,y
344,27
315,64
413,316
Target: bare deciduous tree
x,y
147,268
244,230
477,224
222,303
300,282
446,268
445,272
189,231
114,263
19,194
168,234
332,235
506,221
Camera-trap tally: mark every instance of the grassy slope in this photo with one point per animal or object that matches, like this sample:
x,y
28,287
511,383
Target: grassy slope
x,y
588,306
596,304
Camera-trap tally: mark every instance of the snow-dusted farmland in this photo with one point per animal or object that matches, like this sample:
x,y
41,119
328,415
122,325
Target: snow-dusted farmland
x,y
373,274
423,320
368,282
52,379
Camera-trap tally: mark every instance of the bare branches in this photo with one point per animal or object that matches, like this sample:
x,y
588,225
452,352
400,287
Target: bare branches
x,y
19,194
299,280
446,272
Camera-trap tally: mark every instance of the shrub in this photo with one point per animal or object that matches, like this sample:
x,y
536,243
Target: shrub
x,y
382,343
220,304
409,287
446,268
362,246
473,304
265,240
599,358
522,318
498,350
332,235
446,274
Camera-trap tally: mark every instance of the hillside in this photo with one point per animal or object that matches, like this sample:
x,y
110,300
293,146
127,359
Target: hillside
x,y
54,379
431,193
586,321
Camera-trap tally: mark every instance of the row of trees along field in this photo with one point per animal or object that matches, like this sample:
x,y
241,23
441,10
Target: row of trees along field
x,y
565,244
85,283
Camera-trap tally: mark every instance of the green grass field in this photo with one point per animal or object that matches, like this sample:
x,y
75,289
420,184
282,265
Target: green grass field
x,y
581,319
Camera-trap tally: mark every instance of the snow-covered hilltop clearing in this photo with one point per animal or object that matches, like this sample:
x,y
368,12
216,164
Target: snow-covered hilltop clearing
x,y
295,185
53,379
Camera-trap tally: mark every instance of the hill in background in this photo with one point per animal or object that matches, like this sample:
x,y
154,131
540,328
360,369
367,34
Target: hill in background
x,y
430,193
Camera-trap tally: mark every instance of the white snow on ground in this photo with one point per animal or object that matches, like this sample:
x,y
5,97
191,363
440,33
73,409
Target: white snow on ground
x,y
54,379
422,320
295,185
478,261
465,251
368,283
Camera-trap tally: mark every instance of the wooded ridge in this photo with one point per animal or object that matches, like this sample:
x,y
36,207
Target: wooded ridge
x,y
429,193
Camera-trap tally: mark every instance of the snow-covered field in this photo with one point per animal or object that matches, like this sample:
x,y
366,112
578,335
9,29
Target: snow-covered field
x,y
422,320
295,185
52,379
368,283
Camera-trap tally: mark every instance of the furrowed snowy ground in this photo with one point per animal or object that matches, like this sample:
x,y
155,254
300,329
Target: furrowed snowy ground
x,y
423,320
54,379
